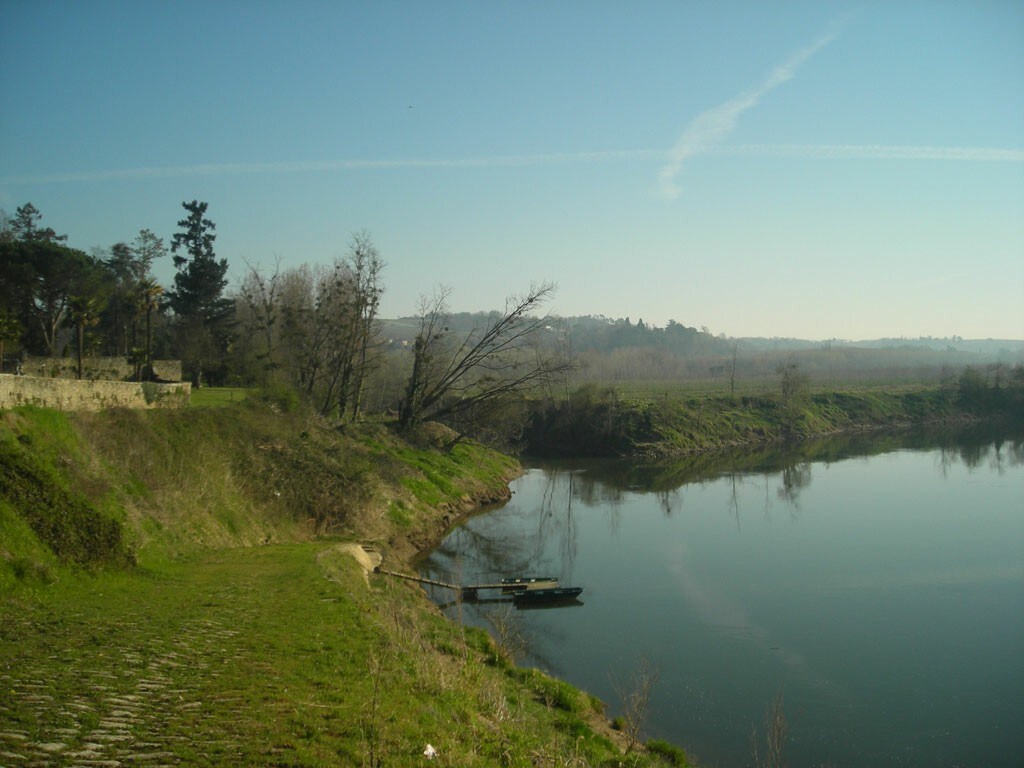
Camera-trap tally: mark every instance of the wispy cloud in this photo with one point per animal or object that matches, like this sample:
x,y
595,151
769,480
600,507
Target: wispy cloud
x,y
874,152
710,128
322,166
796,151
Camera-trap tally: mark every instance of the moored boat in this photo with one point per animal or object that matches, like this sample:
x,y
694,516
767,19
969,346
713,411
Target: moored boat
x,y
547,595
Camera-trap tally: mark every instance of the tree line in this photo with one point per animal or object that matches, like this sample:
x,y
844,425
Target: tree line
x,y
55,299
311,332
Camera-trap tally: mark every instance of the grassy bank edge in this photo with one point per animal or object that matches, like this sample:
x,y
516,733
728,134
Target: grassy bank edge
x,y
599,422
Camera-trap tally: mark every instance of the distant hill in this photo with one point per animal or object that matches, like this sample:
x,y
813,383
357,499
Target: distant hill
x,y
599,333
620,350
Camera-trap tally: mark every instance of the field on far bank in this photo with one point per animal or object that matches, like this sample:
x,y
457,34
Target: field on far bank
x,y
768,386
658,420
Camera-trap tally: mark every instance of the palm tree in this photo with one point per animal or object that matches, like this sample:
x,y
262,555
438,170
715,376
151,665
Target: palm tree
x,y
149,299
84,312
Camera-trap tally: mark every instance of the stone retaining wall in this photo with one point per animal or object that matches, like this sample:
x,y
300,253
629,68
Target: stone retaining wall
x,y
94,368
71,395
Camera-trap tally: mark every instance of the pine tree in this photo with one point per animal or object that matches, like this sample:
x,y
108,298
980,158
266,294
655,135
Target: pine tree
x,y
199,284
203,314
24,226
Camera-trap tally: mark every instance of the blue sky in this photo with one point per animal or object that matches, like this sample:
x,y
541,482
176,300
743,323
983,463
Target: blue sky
x,y
814,169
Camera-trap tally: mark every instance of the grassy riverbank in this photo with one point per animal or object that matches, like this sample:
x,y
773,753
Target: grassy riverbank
x,y
172,592
609,422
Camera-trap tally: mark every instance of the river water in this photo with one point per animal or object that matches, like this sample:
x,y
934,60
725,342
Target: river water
x,y
874,585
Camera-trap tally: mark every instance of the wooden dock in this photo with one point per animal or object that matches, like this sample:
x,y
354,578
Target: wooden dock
x,y
463,591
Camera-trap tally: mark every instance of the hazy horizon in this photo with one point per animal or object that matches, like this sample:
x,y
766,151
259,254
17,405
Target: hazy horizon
x,y
808,339
804,170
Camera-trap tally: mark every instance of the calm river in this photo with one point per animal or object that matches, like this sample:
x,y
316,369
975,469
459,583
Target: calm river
x,y
875,583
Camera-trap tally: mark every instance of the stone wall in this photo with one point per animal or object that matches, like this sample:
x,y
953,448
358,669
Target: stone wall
x,y
95,368
72,395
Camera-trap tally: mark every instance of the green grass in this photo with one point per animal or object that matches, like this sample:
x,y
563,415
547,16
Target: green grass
x,y
215,397
400,514
25,562
277,655
437,477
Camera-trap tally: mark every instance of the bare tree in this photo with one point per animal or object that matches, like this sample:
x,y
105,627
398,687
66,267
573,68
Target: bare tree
x,y
794,385
302,336
365,267
506,357
318,325
507,631
635,695
347,304
261,301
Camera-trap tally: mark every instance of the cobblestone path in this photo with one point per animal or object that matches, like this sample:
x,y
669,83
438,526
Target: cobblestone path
x,y
148,671
116,705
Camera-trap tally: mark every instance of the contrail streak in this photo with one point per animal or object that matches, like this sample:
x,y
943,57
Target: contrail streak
x,y
319,166
874,152
796,151
709,129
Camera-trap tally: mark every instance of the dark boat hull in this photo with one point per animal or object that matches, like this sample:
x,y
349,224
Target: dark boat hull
x,y
550,595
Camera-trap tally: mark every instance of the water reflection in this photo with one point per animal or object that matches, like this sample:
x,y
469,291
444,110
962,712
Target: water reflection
x,y
794,479
605,483
554,521
741,574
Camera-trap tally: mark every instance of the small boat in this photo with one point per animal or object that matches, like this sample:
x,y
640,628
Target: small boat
x,y
547,595
521,583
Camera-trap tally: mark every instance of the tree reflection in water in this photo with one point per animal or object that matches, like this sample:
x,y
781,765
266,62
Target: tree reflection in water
x,y
607,484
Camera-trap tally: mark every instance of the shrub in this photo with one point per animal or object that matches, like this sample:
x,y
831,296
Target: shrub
x,y
62,519
669,753
555,693
27,569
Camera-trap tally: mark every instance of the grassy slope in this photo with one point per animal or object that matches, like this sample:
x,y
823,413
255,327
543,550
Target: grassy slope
x,y
216,649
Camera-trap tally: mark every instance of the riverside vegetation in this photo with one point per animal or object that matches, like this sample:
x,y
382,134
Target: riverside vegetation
x,y
174,587
173,590
656,423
